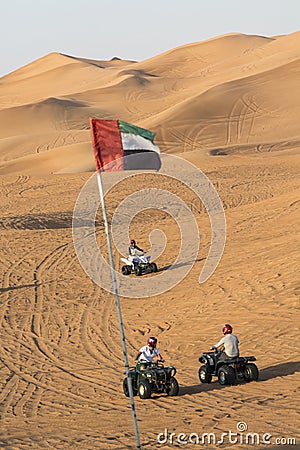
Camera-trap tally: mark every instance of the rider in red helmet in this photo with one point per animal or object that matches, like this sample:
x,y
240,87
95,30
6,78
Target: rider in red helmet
x,y
148,352
227,329
228,345
132,249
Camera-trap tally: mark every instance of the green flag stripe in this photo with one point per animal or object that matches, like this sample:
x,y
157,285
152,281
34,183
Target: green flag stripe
x,y
133,129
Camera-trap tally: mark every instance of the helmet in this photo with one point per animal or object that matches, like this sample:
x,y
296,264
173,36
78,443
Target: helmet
x,y
132,241
227,329
152,341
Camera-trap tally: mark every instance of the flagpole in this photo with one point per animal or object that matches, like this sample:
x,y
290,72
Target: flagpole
x,y
117,299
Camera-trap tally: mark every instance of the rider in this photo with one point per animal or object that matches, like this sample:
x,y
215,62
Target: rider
x,y
228,346
148,352
132,250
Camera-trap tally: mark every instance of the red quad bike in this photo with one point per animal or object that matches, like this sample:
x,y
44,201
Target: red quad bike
x,y
229,371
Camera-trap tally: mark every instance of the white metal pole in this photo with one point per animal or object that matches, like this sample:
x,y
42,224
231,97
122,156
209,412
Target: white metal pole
x,y
117,299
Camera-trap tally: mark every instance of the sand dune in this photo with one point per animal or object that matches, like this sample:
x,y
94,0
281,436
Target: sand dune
x,y
231,90
229,105
237,112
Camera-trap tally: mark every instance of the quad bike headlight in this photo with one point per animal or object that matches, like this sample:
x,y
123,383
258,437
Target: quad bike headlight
x,y
173,372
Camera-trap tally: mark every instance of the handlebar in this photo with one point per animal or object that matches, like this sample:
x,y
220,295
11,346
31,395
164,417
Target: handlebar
x,y
153,363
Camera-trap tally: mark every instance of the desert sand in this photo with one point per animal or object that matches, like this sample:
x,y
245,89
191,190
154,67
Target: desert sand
x,y
229,105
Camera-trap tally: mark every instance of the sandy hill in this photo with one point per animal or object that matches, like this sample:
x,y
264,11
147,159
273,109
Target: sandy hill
x,y
234,90
229,105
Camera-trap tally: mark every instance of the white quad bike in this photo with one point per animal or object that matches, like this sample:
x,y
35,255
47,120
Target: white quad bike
x,y
140,264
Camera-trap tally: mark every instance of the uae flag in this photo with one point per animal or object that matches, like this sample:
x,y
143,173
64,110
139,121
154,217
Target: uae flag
x,y
120,145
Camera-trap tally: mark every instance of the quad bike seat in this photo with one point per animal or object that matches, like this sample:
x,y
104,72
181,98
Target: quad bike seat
x,y
239,359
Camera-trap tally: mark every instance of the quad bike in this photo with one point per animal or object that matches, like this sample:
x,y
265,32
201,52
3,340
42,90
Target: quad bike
x,y
140,264
229,370
148,378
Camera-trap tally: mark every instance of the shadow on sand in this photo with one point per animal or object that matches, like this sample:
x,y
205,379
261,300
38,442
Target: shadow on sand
x,y
176,266
13,288
280,370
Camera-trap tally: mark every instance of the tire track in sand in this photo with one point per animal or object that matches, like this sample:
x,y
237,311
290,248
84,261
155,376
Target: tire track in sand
x,y
27,399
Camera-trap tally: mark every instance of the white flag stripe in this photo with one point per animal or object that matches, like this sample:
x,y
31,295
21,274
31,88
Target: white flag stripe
x,y
137,142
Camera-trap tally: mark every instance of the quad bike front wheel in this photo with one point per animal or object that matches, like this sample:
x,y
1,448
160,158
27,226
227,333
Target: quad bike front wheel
x,y
226,375
173,387
205,374
126,270
126,389
137,270
144,389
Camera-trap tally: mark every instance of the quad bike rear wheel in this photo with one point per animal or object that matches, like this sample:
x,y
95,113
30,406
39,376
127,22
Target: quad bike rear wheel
x,y
251,372
226,375
153,267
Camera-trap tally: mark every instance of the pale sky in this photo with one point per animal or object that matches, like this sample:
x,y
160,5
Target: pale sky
x,y
130,29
